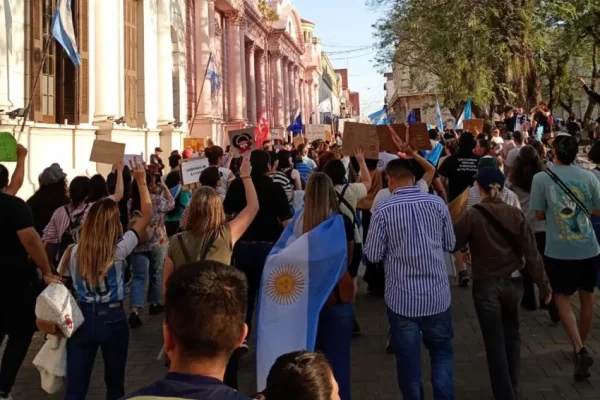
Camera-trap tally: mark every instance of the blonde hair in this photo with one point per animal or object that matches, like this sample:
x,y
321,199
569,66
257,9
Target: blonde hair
x,y
206,212
97,245
492,191
320,199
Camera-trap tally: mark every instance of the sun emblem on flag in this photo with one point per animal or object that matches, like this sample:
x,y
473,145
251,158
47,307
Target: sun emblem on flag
x,y
285,284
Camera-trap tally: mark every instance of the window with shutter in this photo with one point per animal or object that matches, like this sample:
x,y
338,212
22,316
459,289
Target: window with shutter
x,y
130,21
48,78
84,74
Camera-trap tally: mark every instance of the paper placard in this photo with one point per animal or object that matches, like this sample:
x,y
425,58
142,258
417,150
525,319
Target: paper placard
x,y
8,147
195,144
316,132
106,152
385,137
475,126
458,206
329,134
191,169
419,137
139,158
242,141
361,136
298,140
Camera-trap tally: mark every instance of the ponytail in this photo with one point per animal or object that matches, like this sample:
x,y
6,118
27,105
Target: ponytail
x,y
494,190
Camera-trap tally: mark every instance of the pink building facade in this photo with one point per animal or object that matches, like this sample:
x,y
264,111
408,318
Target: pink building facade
x,y
260,65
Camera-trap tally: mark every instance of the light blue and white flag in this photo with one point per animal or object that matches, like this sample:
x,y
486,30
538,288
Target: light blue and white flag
x,y
213,76
438,117
379,117
466,115
299,275
64,32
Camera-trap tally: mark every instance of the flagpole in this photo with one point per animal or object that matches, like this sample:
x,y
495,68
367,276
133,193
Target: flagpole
x,y
200,94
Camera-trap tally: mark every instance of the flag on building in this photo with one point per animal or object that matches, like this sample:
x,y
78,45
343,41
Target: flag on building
x,y
466,115
411,118
296,125
261,132
379,117
438,117
213,76
64,31
294,287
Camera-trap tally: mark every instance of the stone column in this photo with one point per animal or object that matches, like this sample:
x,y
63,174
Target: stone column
x,y
164,64
301,99
243,67
251,82
291,91
309,99
106,74
317,117
285,83
276,71
211,24
296,88
261,82
202,47
236,94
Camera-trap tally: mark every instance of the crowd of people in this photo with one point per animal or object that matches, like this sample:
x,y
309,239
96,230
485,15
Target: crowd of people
x,y
141,240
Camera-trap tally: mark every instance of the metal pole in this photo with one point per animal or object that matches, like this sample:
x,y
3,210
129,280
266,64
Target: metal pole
x,y
200,94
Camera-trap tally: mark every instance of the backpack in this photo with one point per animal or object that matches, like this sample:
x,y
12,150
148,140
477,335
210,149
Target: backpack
x,y
71,235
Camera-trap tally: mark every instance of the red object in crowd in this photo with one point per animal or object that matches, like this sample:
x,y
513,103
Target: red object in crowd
x,y
187,153
261,132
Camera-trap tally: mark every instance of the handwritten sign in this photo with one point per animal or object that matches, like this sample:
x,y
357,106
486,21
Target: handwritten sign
x,y
419,137
106,152
8,147
385,137
361,136
129,159
298,140
192,168
196,144
315,132
475,126
242,141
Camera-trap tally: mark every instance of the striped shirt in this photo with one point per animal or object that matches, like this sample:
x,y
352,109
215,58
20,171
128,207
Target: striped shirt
x,y
112,289
507,196
410,232
282,179
305,170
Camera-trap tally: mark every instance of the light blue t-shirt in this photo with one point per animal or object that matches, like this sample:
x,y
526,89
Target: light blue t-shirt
x,y
569,232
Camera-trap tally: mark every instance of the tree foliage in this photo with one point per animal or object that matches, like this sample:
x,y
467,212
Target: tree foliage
x,y
496,52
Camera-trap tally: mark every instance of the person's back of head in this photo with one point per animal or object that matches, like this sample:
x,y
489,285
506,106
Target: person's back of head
x,y
336,171
517,137
174,160
260,161
205,312
320,200
399,173
466,144
434,134
283,156
214,154
79,190
565,149
527,164
210,177
300,375
98,188
302,149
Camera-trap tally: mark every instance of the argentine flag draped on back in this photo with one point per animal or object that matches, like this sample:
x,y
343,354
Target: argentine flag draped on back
x,y
299,275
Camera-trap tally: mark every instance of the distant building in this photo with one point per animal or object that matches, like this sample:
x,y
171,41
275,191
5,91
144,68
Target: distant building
x,y
355,101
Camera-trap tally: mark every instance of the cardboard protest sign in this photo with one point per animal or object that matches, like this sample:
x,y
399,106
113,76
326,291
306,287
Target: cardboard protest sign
x,y
385,138
130,159
242,141
458,206
298,140
8,147
191,169
106,152
329,134
475,126
196,144
316,132
361,136
418,135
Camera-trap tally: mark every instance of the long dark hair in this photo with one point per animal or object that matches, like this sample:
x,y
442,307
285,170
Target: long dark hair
x,y
98,188
527,164
46,200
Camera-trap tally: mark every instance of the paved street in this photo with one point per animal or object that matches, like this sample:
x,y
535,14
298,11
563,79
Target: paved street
x,y
546,367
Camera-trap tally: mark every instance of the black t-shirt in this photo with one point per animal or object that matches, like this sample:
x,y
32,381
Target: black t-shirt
x,y
15,216
186,386
460,172
273,203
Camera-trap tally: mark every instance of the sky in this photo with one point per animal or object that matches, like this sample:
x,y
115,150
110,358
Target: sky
x,y
345,25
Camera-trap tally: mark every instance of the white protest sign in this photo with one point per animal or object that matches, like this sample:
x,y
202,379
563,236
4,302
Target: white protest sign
x,y
129,159
315,132
191,170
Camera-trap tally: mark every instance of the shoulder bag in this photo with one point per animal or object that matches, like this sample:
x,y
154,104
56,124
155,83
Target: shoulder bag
x,y
207,246
569,192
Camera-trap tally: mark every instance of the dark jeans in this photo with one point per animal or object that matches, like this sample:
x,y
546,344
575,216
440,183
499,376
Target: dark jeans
x,y
497,306
17,322
437,334
334,337
105,327
250,257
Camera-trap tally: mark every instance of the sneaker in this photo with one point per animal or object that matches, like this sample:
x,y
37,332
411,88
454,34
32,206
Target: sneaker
x,y
134,320
355,328
583,362
156,309
463,279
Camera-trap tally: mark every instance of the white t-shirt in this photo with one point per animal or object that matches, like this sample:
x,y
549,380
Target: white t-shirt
x,y
384,159
355,193
512,156
224,173
497,140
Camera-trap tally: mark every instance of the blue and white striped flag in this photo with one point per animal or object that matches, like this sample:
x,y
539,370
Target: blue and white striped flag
x,y
438,117
64,32
213,76
299,275
379,117
466,115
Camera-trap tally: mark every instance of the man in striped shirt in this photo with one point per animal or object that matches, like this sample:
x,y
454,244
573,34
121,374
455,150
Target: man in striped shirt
x,y
410,232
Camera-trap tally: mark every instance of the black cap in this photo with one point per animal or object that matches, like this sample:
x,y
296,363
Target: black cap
x,y
158,149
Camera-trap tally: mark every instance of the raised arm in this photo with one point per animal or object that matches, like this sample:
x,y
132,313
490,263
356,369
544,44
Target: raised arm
x,y
139,174
426,165
118,196
365,176
243,220
18,176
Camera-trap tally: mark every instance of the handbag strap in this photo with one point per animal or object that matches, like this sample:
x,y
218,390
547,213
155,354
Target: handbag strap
x,y
343,201
186,254
207,245
508,237
66,260
568,191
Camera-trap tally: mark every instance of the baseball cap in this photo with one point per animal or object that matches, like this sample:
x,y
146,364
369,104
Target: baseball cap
x,y
52,174
487,162
158,149
488,176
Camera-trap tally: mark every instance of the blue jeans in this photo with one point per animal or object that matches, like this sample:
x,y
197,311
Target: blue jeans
x,y
250,257
437,336
105,327
334,337
144,263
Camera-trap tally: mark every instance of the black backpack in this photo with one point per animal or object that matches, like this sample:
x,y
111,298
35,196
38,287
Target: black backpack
x,y
70,235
